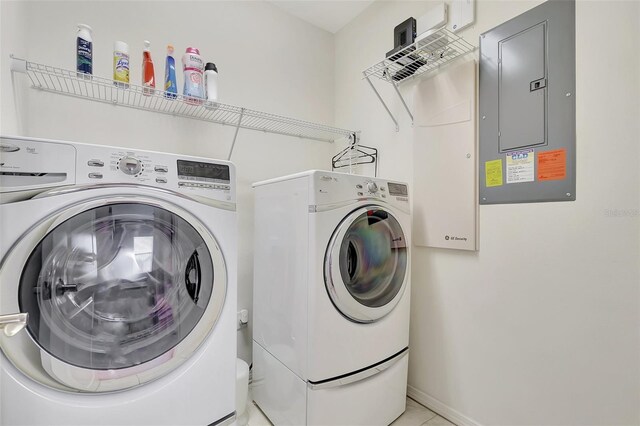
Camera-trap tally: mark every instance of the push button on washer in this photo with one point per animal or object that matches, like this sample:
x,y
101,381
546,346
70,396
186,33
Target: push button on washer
x,y
95,175
95,163
161,180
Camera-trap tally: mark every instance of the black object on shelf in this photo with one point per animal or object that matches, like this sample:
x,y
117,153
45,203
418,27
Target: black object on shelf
x,y
404,34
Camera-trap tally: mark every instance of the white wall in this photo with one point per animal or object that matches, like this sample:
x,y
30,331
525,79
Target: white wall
x,y
267,60
12,35
542,325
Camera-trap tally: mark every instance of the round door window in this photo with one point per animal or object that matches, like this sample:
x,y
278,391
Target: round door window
x,y
366,264
116,286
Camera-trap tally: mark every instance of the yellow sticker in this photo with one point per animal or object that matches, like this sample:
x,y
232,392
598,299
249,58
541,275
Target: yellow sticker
x,y
493,173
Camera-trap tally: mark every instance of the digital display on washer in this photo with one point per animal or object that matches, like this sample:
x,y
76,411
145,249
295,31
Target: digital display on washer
x,y
398,189
203,171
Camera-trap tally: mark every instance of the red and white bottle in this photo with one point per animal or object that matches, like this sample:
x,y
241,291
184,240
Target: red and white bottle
x,y
148,74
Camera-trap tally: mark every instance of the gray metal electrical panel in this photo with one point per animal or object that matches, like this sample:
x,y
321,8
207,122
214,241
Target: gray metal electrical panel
x,y
527,107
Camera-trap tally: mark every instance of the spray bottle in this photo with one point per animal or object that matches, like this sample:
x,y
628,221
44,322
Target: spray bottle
x,y
170,84
148,75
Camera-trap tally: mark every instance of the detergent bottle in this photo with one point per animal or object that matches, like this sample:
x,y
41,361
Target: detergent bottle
x,y
148,74
170,84
193,67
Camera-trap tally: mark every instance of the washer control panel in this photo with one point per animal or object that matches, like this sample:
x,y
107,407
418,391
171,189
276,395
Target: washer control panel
x,y
189,175
30,164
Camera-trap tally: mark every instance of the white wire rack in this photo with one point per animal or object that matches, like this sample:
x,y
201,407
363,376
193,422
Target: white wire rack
x,y
70,83
433,51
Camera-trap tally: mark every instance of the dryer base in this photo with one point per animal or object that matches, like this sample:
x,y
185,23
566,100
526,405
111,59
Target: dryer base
x,y
288,400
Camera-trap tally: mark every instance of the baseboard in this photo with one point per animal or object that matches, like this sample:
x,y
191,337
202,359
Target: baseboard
x,y
440,408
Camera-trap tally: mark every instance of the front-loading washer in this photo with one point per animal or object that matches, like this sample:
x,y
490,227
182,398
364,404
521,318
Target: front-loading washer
x,y
118,286
331,299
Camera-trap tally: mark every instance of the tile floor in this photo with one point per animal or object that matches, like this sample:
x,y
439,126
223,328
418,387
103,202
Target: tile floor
x,y
415,415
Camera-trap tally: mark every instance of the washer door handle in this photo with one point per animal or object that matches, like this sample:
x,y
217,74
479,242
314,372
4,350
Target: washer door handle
x,y
11,324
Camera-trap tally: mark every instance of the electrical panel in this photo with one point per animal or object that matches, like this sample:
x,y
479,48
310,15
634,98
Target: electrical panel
x,y
527,107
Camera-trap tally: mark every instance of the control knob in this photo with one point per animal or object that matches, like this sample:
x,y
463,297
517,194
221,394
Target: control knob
x,y
130,165
372,187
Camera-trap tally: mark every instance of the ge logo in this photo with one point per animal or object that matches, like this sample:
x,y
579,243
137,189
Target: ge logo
x,y
446,237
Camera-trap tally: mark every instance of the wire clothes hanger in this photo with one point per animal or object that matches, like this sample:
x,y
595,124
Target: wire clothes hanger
x,y
354,155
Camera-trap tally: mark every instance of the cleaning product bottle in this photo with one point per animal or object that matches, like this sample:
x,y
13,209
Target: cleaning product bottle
x,y
148,75
170,84
121,64
84,51
211,84
193,65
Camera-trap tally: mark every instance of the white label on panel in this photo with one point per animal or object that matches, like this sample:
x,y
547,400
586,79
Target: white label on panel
x,y
520,166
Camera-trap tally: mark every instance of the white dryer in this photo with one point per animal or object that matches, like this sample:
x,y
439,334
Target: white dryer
x,y
331,299
118,286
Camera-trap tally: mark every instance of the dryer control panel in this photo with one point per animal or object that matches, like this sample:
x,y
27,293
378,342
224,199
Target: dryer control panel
x,y
331,187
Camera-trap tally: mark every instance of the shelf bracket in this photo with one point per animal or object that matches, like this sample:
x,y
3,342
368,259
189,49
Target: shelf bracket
x,y
354,141
355,138
18,65
382,100
235,135
395,86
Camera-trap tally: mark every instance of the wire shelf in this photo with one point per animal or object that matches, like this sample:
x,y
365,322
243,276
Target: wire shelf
x,y
432,51
70,83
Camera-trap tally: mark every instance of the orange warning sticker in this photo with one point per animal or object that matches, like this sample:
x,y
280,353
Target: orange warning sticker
x,y
552,165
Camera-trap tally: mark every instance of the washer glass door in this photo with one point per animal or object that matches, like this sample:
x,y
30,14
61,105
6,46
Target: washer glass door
x,y
116,288
366,264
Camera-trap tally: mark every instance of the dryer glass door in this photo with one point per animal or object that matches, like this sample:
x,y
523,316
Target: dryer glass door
x,y
116,288
366,264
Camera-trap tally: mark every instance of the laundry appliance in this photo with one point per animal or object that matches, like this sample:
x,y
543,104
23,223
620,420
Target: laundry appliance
x,y
117,286
331,299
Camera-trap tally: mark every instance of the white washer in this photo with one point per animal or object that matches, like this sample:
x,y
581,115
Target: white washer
x,y
121,265
331,299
